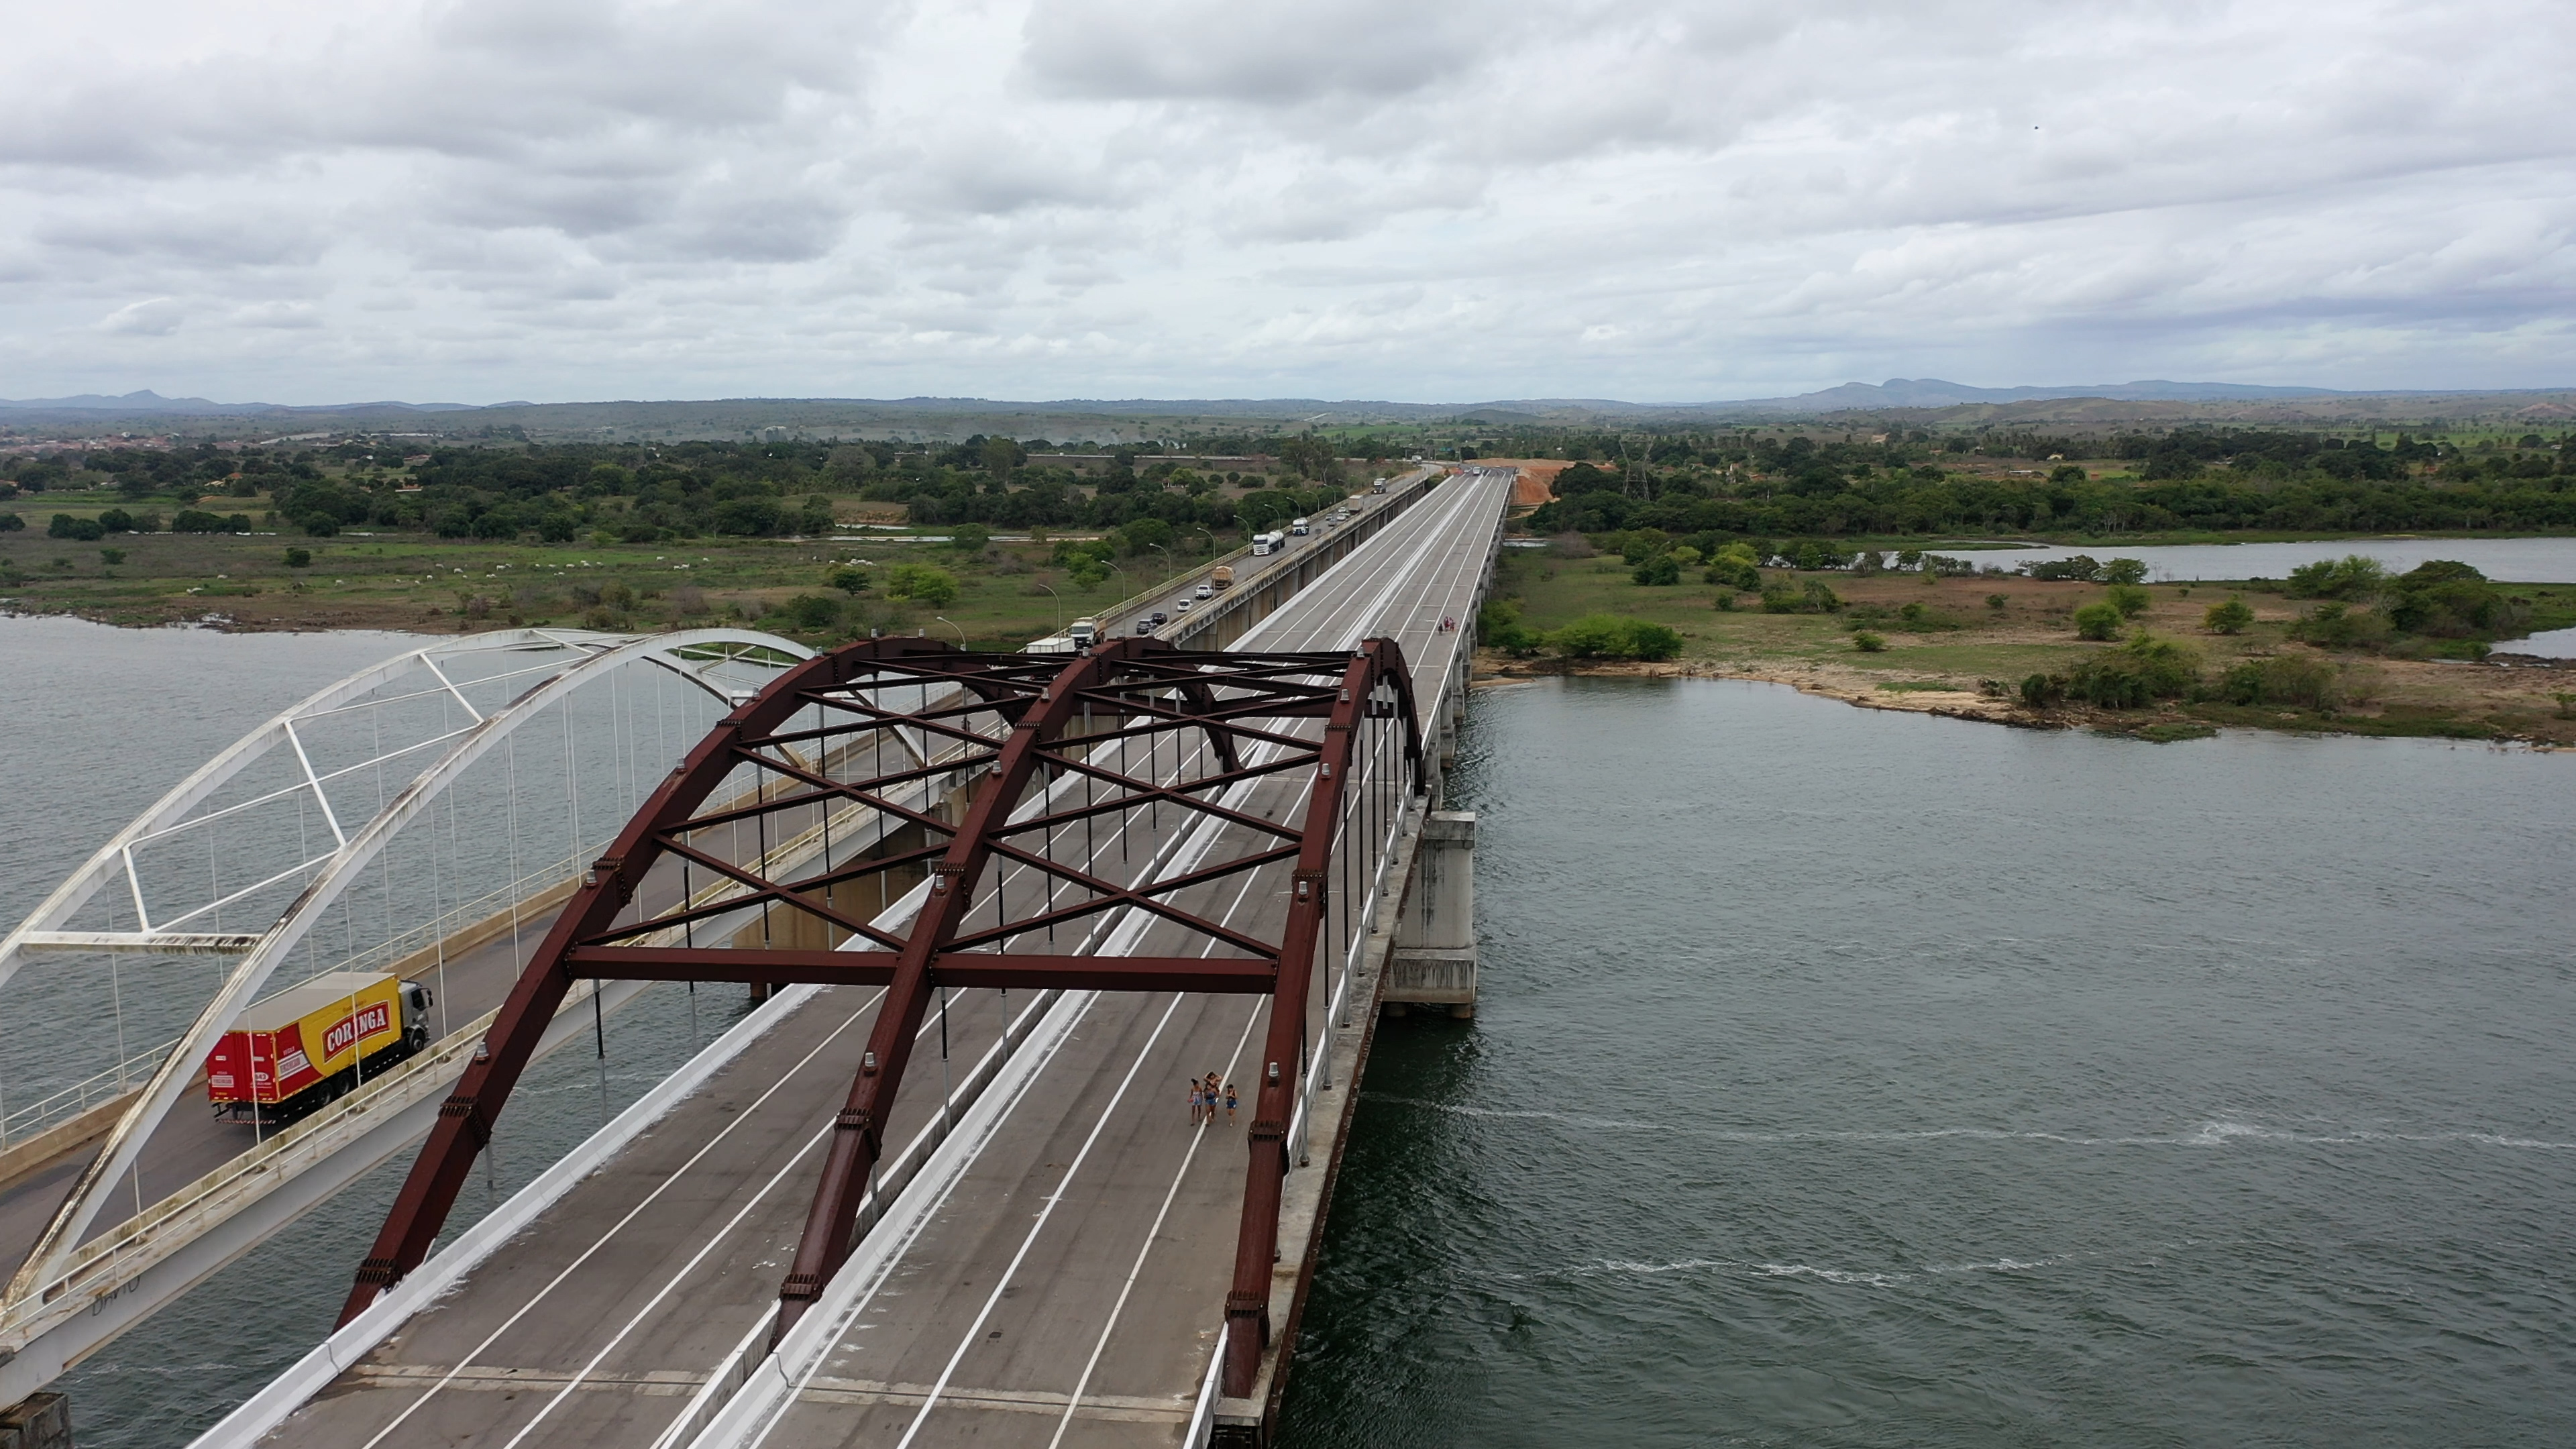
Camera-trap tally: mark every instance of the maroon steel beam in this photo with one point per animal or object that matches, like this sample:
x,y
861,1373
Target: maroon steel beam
x,y
858,1140
962,969
465,1119
1247,1301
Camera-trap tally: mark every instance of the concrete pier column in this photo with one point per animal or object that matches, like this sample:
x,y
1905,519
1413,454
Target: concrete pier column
x,y
38,1421
1434,960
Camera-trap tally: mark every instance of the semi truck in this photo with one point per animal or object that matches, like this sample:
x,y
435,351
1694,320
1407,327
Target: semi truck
x,y
1269,543
1085,633
310,1044
1221,577
1298,526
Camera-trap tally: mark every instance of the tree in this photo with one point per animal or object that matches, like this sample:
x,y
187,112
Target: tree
x,y
2231,617
11,523
79,530
298,558
1002,456
921,584
2098,620
849,579
2129,599
971,539
814,613
1660,570
1615,636
1499,626
2353,576
2125,571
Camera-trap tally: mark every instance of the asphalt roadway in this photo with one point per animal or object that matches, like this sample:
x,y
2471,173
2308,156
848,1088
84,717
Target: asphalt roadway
x,y
1066,1290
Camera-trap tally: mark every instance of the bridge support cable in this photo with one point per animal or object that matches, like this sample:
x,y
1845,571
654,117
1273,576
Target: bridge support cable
x,y
963,797
332,753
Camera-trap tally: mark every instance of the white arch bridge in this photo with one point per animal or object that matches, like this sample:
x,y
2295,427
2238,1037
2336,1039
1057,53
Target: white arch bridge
x,y
423,816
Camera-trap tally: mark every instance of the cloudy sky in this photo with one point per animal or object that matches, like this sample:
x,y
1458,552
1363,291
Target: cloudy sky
x,y
475,200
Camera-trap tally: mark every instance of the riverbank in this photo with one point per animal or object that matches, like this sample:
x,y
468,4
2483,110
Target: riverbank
x,y
1961,647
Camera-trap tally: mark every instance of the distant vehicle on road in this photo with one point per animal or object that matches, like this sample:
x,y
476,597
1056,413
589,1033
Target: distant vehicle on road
x,y
1085,633
1298,526
1160,618
1206,591
1269,543
1183,606
1221,577
1144,626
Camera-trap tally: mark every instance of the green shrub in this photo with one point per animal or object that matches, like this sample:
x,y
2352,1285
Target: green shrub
x,y
923,584
1821,598
79,530
2129,599
2293,679
849,579
2451,600
1996,602
2081,569
1663,569
2144,669
2231,617
2125,571
111,556
2337,625
11,523
814,613
1499,626
116,520
2349,577
2043,691
1733,573
2098,620
1868,643
298,558
1615,636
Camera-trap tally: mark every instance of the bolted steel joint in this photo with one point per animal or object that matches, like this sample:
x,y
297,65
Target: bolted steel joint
x,y
1268,1130
379,1273
472,1113
801,1287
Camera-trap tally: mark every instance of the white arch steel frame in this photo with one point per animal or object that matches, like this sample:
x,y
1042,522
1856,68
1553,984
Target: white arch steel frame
x,y
703,657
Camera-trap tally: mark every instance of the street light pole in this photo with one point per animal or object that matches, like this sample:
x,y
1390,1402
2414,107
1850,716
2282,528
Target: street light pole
x,y
1059,606
953,624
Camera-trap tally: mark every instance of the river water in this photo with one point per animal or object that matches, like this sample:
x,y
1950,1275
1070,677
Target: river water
x,y
1842,1078
1859,1078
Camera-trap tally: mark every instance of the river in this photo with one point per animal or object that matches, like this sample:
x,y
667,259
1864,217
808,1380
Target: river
x,y
1842,1078
1857,1078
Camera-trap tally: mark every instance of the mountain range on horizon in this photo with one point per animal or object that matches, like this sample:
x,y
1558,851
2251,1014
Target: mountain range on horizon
x,y
1895,393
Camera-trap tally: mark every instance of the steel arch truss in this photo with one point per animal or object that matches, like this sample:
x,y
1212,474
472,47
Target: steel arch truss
x,y
486,686
920,817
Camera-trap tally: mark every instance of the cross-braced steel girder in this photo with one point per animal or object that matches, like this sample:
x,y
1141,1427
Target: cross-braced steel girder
x,y
922,818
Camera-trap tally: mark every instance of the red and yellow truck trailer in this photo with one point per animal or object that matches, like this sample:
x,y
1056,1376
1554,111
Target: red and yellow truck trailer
x,y
308,1044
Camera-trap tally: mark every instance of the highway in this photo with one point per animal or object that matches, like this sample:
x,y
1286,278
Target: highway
x,y
1064,1287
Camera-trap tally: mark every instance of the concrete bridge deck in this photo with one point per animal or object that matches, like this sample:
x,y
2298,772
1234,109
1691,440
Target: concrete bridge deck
x,y
1063,1285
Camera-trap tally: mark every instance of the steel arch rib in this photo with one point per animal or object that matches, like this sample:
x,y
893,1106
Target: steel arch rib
x,y
272,946
465,1119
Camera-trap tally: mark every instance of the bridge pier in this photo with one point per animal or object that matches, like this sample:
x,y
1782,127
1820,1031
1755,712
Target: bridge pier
x,y
1434,962
38,1421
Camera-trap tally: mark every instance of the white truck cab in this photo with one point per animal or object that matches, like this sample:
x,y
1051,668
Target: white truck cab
x,y
1084,633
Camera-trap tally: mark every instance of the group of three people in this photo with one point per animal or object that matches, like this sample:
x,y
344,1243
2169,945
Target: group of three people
x,y
1206,1096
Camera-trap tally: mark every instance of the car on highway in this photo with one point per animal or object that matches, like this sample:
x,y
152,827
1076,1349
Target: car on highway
x,y
1144,626
1206,591
1182,606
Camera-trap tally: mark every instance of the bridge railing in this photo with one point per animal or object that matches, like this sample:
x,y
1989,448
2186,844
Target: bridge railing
x,y
24,1123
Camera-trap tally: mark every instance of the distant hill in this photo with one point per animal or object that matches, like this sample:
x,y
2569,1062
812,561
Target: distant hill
x,y
1898,402
1932,392
152,404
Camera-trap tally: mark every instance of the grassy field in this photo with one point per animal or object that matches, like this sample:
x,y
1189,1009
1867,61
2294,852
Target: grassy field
x,y
418,581
1966,631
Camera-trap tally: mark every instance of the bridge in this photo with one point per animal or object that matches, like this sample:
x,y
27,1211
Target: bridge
x,y
942,1183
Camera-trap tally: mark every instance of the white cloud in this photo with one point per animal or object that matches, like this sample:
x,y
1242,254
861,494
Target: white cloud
x,y
156,317
1450,199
